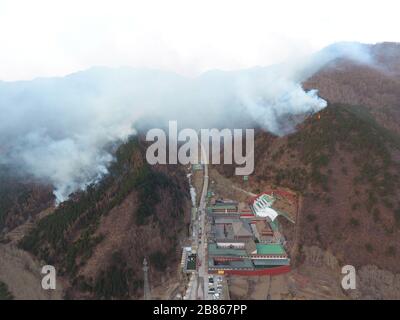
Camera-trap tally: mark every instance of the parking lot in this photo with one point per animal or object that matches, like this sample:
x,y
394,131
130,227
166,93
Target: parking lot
x,y
216,287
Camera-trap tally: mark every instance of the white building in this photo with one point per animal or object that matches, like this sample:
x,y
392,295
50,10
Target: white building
x,y
262,207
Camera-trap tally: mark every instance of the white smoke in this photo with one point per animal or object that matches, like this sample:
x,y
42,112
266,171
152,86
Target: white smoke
x,y
275,97
58,129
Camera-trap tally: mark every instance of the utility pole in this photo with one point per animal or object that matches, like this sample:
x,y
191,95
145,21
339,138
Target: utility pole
x,y
146,285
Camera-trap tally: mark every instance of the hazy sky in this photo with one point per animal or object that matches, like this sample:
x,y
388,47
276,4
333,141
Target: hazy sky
x,y
49,38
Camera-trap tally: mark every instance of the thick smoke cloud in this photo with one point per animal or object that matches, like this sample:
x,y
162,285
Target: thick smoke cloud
x,y
59,129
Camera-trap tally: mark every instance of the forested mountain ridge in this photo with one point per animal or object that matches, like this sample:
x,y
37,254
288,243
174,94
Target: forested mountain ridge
x,y
97,240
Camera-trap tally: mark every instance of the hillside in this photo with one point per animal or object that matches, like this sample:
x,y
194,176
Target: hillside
x,y
21,200
345,166
4,293
375,86
344,162
97,240
376,89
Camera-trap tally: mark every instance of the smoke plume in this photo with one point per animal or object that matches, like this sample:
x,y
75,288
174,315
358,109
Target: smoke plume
x,y
59,129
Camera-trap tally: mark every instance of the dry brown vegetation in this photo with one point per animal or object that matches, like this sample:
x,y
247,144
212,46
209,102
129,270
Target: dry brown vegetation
x,y
344,162
98,239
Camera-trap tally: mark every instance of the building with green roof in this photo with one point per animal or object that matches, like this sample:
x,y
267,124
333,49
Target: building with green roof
x,y
270,249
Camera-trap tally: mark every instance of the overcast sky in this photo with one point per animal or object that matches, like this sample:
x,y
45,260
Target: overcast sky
x,y
51,38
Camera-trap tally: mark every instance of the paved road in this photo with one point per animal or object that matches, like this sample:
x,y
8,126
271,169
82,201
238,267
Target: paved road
x,y
198,287
200,282
203,269
202,251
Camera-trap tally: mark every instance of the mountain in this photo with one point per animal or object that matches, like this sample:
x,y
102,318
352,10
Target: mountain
x,y
98,239
375,85
344,162
372,92
21,200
